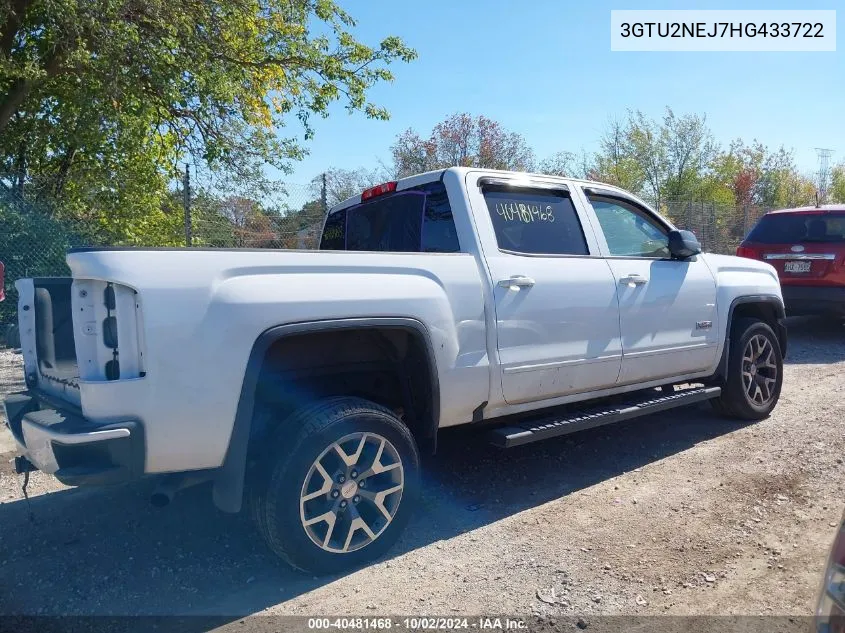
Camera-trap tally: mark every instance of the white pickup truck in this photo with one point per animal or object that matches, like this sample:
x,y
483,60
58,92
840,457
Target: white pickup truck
x,y
306,382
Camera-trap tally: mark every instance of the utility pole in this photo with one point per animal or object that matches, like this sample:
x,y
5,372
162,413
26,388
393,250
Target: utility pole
x,y
186,201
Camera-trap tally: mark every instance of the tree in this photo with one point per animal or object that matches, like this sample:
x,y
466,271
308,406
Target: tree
x,y
250,225
461,140
645,144
300,228
104,92
735,174
754,175
666,158
836,191
344,183
690,148
614,164
559,164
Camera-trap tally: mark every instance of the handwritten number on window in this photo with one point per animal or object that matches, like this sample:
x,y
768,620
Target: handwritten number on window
x,y
525,212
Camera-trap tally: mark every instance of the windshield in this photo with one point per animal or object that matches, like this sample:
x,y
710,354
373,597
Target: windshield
x,y
779,228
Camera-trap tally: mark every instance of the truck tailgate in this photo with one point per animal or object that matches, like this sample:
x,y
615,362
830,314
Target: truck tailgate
x,y
47,341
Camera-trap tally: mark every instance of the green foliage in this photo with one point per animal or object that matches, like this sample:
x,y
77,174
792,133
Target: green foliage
x,y
676,158
665,158
344,183
836,192
32,245
102,98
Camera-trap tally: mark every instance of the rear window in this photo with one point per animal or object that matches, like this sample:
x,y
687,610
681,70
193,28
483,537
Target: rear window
x,y
390,224
535,221
410,221
781,228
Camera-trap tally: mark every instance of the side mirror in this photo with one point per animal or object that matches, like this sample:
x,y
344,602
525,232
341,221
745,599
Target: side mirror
x,y
683,244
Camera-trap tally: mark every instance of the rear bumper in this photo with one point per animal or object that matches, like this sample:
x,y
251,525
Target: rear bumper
x,y
814,299
74,449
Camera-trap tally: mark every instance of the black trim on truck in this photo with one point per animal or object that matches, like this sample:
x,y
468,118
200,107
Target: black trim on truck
x,y
779,328
515,183
109,461
633,405
229,479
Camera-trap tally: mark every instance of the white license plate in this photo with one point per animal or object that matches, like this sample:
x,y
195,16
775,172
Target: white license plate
x,y
796,267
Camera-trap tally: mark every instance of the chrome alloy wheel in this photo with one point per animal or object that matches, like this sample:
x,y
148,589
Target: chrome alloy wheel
x,y
351,492
759,370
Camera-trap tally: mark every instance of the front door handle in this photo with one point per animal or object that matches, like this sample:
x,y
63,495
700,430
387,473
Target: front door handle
x,y
633,280
516,282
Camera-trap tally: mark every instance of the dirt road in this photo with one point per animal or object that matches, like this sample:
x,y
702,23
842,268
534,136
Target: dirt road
x,y
680,513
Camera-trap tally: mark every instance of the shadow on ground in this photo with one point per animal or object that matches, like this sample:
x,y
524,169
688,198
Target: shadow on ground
x,y
108,552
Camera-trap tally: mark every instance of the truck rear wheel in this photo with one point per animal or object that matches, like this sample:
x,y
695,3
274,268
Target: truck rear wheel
x,y
752,386
339,485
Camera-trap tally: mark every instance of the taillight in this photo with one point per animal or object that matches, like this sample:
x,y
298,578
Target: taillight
x,y
378,190
747,251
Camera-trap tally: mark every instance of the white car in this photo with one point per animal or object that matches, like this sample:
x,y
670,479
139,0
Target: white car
x,y
308,381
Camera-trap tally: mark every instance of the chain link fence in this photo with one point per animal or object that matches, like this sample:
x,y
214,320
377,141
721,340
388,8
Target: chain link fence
x,y
720,228
34,238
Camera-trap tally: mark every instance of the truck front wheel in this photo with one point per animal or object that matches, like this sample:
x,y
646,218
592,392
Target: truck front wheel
x,y
339,485
752,385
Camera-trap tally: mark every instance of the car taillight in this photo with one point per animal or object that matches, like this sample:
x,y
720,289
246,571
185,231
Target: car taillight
x,y
747,251
378,190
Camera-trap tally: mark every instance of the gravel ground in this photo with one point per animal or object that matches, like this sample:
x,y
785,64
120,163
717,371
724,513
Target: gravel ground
x,y
11,380
679,513
11,371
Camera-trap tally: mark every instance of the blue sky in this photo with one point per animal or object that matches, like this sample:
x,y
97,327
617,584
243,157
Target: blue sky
x,y
544,69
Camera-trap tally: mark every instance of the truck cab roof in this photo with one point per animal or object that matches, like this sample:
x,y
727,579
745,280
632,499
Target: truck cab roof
x,y
437,174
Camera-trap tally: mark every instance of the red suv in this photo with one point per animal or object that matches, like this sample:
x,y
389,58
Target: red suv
x,y
807,247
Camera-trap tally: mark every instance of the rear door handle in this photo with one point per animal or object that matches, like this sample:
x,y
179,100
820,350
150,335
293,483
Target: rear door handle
x,y
516,282
633,280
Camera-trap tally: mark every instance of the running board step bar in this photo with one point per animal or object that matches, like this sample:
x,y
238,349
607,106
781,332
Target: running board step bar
x,y
544,428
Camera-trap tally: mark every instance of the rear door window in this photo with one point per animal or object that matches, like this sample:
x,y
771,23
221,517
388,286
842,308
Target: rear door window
x,y
786,228
535,221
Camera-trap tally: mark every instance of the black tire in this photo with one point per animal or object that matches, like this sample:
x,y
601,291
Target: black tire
x,y
287,468
736,401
